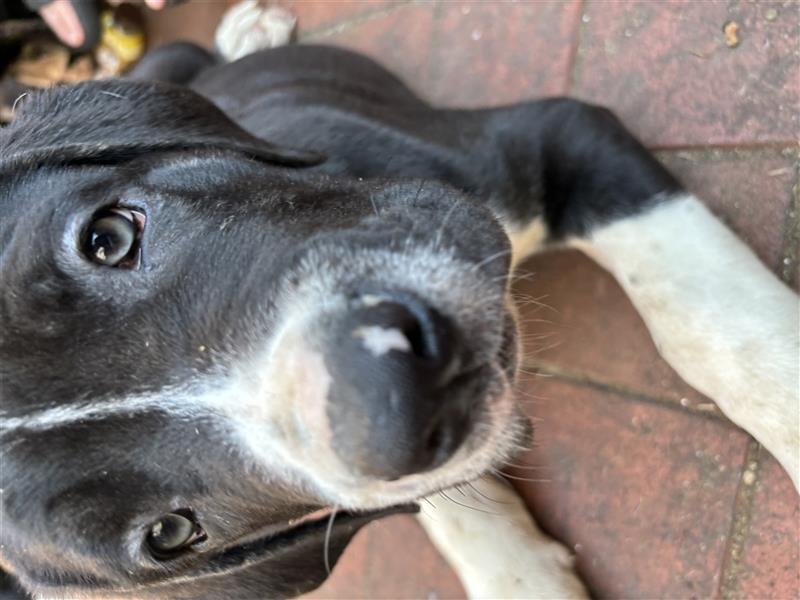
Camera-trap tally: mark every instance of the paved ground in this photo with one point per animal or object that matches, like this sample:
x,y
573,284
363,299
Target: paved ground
x,y
657,494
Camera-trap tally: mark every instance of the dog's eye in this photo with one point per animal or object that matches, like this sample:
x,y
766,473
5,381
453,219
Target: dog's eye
x,y
173,533
112,237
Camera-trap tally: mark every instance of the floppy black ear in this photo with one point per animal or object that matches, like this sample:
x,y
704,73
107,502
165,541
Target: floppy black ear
x,y
109,121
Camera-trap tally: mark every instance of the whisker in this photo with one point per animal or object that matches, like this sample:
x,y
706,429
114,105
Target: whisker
x,y
531,319
480,493
374,206
527,300
17,101
437,242
535,373
489,259
422,183
526,276
525,467
328,532
468,506
112,94
416,199
528,479
544,348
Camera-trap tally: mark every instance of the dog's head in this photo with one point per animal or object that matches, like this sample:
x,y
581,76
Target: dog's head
x,y
217,363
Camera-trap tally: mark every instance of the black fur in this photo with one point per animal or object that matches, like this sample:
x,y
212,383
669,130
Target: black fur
x,y
571,161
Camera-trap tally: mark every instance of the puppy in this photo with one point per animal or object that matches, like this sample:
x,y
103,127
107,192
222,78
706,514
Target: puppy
x,y
241,319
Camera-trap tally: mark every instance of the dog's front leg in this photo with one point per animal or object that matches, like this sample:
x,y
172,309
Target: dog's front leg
x,y
726,324
723,321
495,547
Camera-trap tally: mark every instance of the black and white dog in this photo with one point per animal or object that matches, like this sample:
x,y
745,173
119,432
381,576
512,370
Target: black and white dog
x,y
244,317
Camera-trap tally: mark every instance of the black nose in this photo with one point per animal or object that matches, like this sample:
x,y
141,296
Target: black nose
x,y
392,406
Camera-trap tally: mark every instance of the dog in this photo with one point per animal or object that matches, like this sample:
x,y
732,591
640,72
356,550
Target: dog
x,y
248,308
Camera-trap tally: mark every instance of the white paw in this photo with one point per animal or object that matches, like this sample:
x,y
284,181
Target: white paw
x,y
495,547
250,26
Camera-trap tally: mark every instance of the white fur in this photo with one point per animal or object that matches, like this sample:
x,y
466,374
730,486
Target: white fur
x,y
723,321
182,402
250,26
495,547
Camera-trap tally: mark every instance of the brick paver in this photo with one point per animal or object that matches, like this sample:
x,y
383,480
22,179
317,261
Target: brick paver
x,y
641,493
400,37
666,68
392,560
490,53
320,16
771,552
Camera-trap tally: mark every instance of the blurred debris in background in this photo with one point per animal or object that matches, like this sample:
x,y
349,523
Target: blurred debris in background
x,y
31,57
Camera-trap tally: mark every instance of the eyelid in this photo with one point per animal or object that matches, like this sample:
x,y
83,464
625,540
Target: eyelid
x,y
197,537
133,214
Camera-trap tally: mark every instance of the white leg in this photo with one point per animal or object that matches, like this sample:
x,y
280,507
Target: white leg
x,y
726,324
495,548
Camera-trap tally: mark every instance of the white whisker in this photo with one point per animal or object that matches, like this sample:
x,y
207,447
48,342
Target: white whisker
x,y
328,531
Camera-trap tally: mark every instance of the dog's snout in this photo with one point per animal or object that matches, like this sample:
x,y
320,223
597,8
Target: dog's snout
x,y
391,413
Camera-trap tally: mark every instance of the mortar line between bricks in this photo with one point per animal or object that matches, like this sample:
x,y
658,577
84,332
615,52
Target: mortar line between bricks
x,y
573,74
728,152
745,501
781,145
741,516
357,19
432,70
790,250
575,44
708,410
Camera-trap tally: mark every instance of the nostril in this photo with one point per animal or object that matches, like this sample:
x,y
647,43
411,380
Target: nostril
x,y
416,339
443,439
435,439
428,333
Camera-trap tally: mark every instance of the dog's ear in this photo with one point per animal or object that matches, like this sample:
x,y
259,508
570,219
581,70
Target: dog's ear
x,y
115,120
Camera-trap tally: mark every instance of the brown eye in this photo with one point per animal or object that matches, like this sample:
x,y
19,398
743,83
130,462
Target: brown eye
x,y
112,237
173,533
